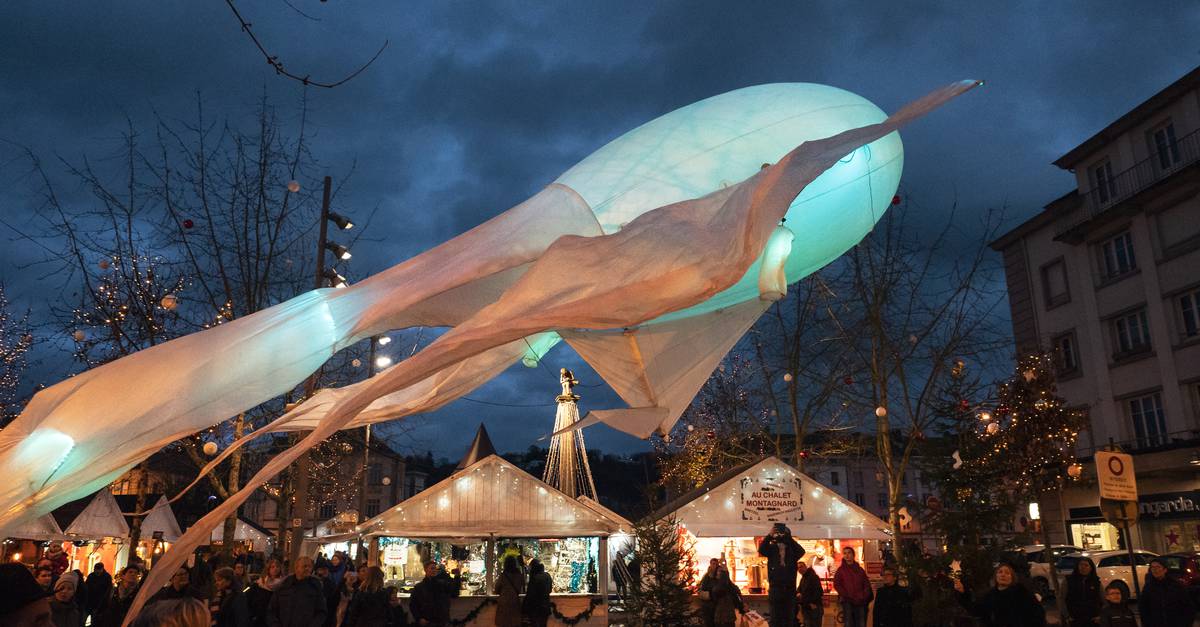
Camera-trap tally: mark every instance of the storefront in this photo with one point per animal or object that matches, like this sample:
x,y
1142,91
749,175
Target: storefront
x,y
727,518
336,535
1168,522
98,534
490,509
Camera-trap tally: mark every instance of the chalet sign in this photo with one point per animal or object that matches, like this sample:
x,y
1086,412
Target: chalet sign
x,y
772,499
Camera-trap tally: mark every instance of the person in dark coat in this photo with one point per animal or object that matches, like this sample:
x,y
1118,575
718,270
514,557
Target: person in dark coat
x,y
704,591
536,606
23,601
299,601
853,588
397,617
1006,604
782,553
1083,597
810,596
1165,601
228,603
98,586
727,600
333,596
893,602
1116,611
179,587
509,586
370,606
112,612
430,602
258,596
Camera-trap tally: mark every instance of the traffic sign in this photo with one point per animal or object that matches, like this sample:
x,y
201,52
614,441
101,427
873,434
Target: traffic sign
x,y
1114,471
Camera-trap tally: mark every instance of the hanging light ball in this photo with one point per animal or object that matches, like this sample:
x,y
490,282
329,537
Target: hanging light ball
x,y
985,416
691,427
993,428
104,264
169,302
187,224
1075,470
210,448
356,362
293,186
787,376
387,481
79,335
881,411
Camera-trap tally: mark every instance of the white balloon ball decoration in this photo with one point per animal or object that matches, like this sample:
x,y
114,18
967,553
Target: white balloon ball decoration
x,y
387,481
787,376
992,428
169,302
881,411
356,362
691,427
293,186
79,335
210,448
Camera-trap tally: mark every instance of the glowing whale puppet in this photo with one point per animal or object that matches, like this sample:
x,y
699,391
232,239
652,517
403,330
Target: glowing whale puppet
x,y
646,257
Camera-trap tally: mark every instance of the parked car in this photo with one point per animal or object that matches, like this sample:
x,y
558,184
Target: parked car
x,y
1039,561
1110,566
1185,567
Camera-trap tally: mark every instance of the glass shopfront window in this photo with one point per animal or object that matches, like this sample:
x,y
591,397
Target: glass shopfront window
x,y
403,559
1097,536
572,563
748,569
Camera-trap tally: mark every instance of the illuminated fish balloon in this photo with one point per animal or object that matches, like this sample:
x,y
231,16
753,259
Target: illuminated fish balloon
x,y
650,257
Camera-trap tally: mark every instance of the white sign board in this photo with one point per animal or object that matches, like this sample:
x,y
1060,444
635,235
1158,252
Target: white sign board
x,y
772,499
1115,474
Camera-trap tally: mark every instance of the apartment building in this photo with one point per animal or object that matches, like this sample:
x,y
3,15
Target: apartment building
x,y
1107,278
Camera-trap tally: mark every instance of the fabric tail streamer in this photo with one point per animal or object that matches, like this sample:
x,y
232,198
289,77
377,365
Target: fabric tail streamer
x,y
667,259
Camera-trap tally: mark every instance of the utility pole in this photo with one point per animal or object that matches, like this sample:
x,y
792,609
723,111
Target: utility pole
x,y
302,466
362,492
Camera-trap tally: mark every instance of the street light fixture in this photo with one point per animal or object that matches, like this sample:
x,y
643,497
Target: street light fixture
x,y
341,221
335,279
384,340
339,251
383,361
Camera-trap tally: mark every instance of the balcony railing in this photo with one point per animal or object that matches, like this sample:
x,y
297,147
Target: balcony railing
x,y
1126,184
1148,444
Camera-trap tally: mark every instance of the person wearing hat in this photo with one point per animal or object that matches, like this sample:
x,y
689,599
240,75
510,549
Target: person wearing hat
x,y
63,610
782,553
23,602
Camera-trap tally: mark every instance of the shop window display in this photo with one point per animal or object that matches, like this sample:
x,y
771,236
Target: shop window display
x,y
572,563
748,569
403,559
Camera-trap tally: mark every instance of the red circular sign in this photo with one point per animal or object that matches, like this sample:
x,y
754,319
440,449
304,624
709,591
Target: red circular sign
x,y
1116,466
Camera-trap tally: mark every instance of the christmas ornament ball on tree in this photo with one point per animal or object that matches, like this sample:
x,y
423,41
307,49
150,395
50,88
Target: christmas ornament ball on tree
x,y
79,335
104,264
993,428
169,302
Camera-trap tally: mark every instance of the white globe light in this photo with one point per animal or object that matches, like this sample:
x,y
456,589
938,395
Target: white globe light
x,y
169,302
992,428
210,448
383,361
787,376
356,362
293,186
79,335
881,411
387,481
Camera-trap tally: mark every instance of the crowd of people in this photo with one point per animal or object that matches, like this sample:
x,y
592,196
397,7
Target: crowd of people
x,y
221,592
796,595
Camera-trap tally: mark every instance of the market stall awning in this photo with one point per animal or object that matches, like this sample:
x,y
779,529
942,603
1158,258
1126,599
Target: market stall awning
x,y
747,500
161,519
244,532
101,518
492,497
43,528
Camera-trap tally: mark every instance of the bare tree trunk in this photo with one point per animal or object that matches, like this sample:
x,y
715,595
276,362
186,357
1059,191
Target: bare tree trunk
x,y
232,486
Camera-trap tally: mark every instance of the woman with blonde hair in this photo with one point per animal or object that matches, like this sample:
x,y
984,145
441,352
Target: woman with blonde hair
x,y
370,606
182,612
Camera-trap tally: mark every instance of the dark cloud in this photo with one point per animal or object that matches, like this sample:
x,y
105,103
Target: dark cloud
x,y
474,106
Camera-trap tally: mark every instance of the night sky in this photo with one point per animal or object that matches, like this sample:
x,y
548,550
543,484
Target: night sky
x,y
475,106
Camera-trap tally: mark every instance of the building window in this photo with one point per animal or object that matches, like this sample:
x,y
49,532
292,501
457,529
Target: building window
x,y
375,474
834,479
327,511
1054,284
1066,353
1102,182
1149,424
1189,307
859,500
1166,149
883,501
372,508
1132,333
1117,255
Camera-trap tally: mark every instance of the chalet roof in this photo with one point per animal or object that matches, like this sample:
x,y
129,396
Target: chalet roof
x,y
480,448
